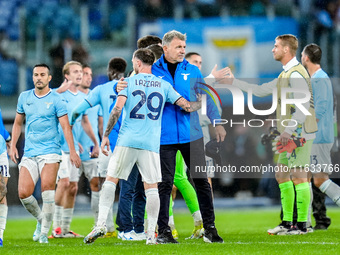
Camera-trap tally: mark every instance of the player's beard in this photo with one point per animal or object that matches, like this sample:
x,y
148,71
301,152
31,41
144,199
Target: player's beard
x,y
40,86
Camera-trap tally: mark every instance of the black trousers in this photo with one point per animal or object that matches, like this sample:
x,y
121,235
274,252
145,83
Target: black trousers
x,y
193,154
319,207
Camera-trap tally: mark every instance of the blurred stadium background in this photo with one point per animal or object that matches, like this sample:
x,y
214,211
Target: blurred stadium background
x,y
239,34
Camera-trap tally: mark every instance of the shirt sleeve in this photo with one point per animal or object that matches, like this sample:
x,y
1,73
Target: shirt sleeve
x,y
94,97
320,96
100,111
297,81
124,92
3,131
60,106
80,109
20,105
172,94
263,90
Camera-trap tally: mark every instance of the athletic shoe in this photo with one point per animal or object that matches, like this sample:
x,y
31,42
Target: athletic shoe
x,y
321,226
197,232
166,237
129,236
56,233
299,229
110,234
140,236
151,240
211,235
310,229
43,239
71,234
95,233
36,233
120,235
174,234
280,229
1,243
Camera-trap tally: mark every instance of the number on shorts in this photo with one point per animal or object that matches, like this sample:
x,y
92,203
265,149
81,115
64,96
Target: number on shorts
x,y
313,160
3,170
293,154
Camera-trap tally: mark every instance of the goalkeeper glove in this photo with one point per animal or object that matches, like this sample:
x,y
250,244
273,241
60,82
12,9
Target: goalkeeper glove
x,y
292,144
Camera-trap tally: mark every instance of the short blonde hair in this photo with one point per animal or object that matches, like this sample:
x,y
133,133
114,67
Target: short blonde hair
x,y
66,68
289,40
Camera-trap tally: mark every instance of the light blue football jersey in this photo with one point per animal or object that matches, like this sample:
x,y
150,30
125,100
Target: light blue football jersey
x,y
103,95
42,113
2,145
3,135
72,100
141,124
323,103
85,140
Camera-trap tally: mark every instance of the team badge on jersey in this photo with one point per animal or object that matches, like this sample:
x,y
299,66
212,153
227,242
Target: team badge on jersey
x,y
48,105
185,75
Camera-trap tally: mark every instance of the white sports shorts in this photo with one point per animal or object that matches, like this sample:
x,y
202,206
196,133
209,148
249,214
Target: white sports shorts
x,y
67,170
123,159
4,166
103,163
89,168
320,158
35,165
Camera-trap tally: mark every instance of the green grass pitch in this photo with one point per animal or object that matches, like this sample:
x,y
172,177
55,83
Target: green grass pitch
x,y
243,231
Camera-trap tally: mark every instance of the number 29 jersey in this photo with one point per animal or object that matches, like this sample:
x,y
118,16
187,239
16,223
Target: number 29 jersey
x,y
142,116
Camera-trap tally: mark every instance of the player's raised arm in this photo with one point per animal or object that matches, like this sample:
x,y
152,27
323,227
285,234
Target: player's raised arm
x,y
81,108
189,106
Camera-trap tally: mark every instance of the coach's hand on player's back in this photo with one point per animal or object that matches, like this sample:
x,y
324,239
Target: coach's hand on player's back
x,y
121,85
75,159
105,142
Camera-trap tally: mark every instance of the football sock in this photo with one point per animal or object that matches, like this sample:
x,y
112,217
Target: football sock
x,y
3,218
152,208
287,200
95,204
107,195
310,209
184,186
332,190
109,221
197,218
47,210
171,215
171,211
58,211
31,205
66,220
302,201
